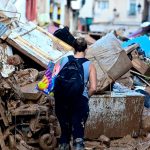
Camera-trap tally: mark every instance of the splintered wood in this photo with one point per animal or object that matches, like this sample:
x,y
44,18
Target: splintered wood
x,y
38,44
26,123
3,115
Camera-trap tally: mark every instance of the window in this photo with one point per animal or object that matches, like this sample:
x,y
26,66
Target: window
x,y
104,4
132,8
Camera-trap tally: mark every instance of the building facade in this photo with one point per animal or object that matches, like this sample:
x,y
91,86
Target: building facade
x,y
146,10
128,12
65,12
114,12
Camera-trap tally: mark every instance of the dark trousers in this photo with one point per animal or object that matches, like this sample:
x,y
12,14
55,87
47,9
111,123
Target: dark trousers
x,y
72,115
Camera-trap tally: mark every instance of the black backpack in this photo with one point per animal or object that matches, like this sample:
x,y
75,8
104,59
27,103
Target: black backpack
x,y
69,83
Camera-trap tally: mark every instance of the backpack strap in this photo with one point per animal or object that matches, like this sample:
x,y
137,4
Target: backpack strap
x,y
71,58
81,60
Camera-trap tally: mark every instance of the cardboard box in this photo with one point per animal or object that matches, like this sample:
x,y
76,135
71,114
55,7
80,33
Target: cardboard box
x,y
120,65
110,60
141,66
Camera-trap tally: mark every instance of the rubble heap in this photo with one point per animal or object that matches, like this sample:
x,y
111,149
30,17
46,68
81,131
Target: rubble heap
x,y
27,117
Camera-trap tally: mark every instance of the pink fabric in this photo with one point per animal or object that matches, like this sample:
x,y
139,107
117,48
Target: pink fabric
x,y
52,29
79,26
31,10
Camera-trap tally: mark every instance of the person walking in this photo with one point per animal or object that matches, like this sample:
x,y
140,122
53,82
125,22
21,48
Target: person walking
x,y
74,85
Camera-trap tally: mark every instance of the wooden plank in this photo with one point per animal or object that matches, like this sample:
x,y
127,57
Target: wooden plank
x,y
141,66
2,142
42,52
22,30
140,77
144,81
24,33
3,115
129,49
38,50
6,34
19,48
66,46
16,89
139,74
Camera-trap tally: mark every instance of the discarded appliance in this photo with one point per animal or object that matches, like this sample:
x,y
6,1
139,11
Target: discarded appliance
x,y
114,115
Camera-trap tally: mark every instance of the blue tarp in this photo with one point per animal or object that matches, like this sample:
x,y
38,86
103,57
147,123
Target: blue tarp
x,y
143,41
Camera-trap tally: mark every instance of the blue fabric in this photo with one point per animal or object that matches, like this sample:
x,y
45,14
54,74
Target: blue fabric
x,y
146,98
64,60
143,41
86,66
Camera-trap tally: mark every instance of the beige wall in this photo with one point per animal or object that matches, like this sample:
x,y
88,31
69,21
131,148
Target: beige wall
x,y
122,7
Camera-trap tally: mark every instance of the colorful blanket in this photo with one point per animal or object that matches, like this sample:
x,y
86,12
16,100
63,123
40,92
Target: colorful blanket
x,y
47,83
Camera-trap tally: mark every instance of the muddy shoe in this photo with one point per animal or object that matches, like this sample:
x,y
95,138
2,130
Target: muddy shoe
x,y
78,144
64,146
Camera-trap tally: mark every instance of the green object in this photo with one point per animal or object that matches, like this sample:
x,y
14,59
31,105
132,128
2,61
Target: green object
x,y
89,21
51,94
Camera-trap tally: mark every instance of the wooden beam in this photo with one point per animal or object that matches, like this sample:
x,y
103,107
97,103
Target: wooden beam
x,y
129,49
3,115
144,81
22,30
20,49
66,46
140,77
38,50
139,74
2,142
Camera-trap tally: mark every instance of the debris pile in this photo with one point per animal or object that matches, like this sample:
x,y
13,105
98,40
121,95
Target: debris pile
x,y
27,117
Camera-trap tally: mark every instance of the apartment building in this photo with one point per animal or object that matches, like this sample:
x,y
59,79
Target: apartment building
x,y
128,12
112,12
65,12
